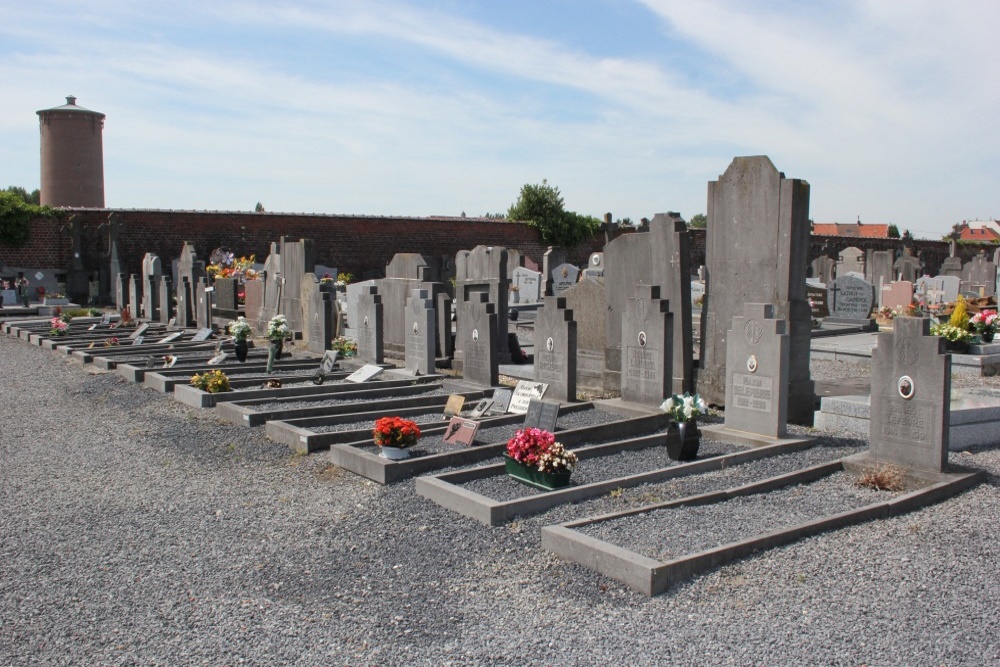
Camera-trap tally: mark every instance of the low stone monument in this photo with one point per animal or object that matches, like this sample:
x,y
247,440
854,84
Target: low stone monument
x,y
850,301
563,277
421,333
369,331
647,348
555,349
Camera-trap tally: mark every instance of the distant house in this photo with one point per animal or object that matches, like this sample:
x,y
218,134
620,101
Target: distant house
x,y
982,231
851,229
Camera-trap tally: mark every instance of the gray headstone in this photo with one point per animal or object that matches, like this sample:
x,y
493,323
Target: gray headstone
x,y
542,414
850,298
297,259
422,333
254,304
354,292
898,295
950,286
152,271
563,277
121,292
225,298
273,285
203,305
757,365
553,257
878,270
135,296
475,340
647,348
317,299
907,267
483,270
658,257
910,397
979,275
822,269
528,284
850,259
166,299
587,300
405,273
757,245
369,331
555,349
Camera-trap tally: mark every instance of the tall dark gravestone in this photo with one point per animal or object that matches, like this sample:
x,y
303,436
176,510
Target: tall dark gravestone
x,y
910,397
757,248
134,296
647,348
555,349
121,292
152,272
166,300
203,305
189,271
483,270
318,313
226,298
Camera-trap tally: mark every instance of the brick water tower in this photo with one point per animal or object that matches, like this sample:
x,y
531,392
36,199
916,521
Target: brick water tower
x,y
72,156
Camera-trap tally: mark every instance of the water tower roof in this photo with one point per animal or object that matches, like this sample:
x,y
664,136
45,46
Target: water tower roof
x,y
71,106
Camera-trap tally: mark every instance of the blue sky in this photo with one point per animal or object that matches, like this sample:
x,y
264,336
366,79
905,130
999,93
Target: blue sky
x,y
377,107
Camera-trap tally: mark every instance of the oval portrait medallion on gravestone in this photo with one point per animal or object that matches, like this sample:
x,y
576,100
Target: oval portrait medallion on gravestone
x,y
475,335
752,331
550,344
596,260
642,339
907,352
365,324
905,387
416,328
752,364
641,310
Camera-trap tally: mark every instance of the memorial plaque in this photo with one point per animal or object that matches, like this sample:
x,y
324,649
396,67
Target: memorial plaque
x,y
91,327
482,407
138,340
106,318
563,277
522,395
151,362
501,401
461,432
364,373
753,392
217,359
329,362
139,331
170,337
454,405
203,334
542,415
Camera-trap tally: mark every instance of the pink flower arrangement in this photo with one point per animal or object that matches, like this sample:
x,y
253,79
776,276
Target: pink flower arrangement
x,y
985,321
59,328
537,448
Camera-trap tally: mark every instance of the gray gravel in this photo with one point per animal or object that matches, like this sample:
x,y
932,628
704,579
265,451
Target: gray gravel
x,y
137,531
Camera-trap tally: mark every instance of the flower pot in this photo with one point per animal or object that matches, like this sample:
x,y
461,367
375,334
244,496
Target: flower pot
x,y
240,347
393,453
958,346
683,441
987,337
532,476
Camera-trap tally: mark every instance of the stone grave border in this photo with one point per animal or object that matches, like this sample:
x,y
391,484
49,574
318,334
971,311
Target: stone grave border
x,y
351,457
198,398
244,414
106,361
164,379
652,577
296,432
733,437
445,490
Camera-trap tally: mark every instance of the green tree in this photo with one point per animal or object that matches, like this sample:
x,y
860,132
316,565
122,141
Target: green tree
x,y
698,221
33,197
541,206
892,232
16,215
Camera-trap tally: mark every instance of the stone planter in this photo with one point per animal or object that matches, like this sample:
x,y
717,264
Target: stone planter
x,y
532,476
683,440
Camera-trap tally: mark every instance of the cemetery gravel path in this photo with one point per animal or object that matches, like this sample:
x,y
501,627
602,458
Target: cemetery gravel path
x,y
137,531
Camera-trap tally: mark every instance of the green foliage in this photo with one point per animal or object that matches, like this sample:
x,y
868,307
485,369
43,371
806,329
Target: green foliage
x,y
960,316
259,208
698,221
893,231
16,215
33,197
541,205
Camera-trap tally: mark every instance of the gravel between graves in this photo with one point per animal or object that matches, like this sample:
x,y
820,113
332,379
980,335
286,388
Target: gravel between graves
x,y
137,531
321,402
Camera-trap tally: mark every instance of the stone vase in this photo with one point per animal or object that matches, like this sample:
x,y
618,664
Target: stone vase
x,y
240,347
987,337
683,441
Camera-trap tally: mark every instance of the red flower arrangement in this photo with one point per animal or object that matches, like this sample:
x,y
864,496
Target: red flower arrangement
x,y
395,432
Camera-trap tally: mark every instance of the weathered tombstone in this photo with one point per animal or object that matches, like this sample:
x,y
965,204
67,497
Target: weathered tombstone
x,y
254,304
369,332
166,299
898,295
405,273
910,397
757,365
878,269
421,327
526,286
647,345
553,257
203,305
907,267
189,271
225,298
483,270
979,275
121,292
555,349
757,247
317,298
952,265
562,278
297,259
850,300
950,287
822,269
477,323
850,259
587,301
152,271
659,257
353,293
134,296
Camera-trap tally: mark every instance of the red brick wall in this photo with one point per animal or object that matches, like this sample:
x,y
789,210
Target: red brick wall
x,y
361,245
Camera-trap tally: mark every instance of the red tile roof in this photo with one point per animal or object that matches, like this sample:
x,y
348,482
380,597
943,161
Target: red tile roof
x,y
979,234
855,229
